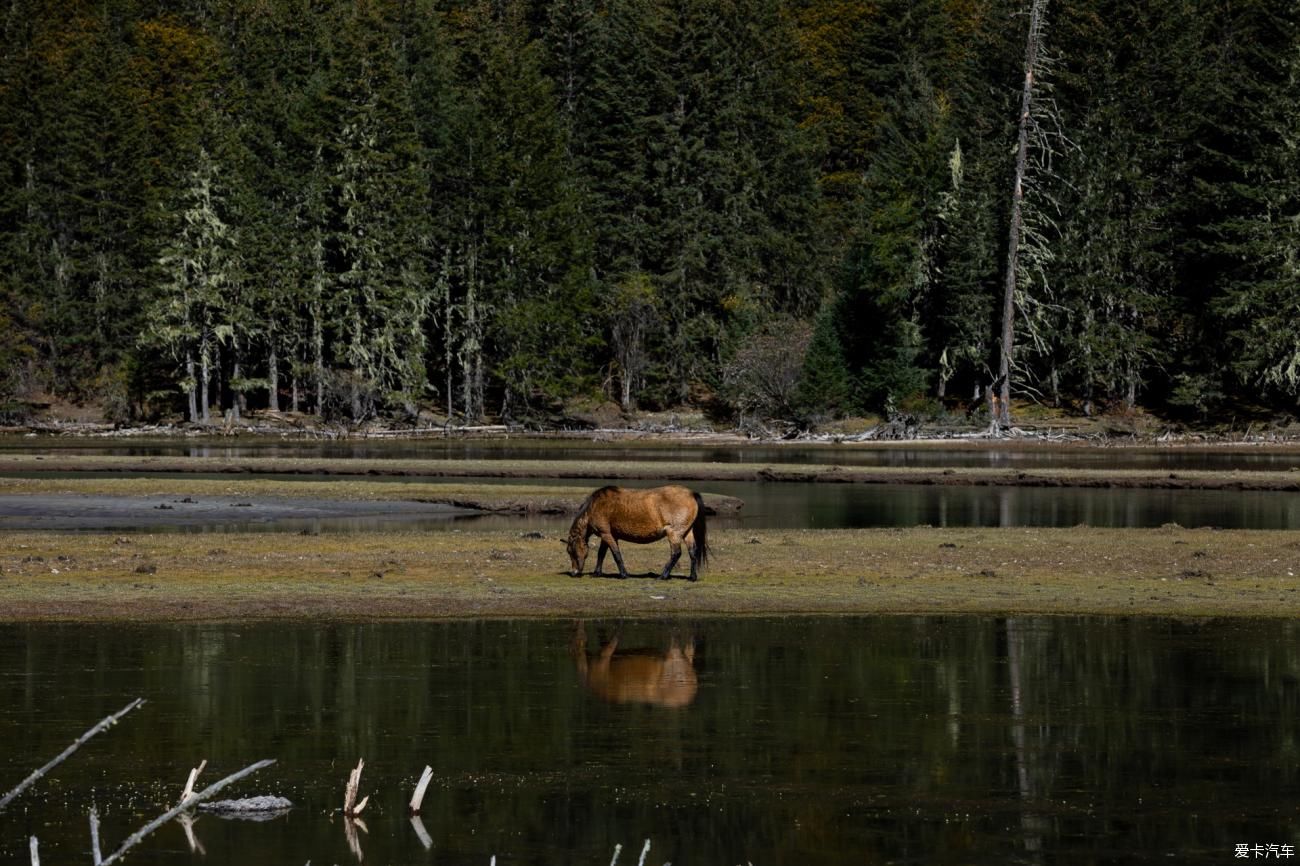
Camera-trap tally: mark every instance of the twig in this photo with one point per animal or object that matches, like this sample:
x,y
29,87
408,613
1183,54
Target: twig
x,y
617,848
77,744
36,854
136,837
194,777
417,799
644,852
350,793
96,857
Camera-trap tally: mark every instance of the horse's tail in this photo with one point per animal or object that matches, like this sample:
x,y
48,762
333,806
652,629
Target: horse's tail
x,y
700,529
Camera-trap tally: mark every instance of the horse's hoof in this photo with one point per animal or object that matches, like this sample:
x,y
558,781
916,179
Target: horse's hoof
x,y
665,577
693,578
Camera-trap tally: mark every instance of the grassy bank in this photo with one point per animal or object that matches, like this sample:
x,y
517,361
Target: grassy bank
x,y
164,577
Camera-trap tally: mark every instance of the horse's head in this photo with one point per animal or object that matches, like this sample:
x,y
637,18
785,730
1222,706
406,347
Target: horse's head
x,y
577,553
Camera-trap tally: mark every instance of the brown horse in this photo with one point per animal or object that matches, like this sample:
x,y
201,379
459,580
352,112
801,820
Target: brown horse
x,y
639,676
641,516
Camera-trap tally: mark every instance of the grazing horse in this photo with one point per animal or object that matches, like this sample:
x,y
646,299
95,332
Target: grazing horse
x,y
639,676
642,516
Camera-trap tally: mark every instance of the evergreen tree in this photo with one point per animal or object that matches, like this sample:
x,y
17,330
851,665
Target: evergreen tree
x,y
377,242
199,270
535,245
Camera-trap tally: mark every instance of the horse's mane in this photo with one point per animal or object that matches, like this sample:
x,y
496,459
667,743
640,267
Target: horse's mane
x,y
584,510
595,494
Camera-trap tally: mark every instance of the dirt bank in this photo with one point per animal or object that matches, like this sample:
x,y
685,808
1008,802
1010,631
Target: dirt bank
x,y
1180,572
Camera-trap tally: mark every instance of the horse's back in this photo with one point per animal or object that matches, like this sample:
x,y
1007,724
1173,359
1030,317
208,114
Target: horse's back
x,y
644,515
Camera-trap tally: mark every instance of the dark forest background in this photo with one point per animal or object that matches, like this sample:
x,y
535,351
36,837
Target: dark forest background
x,y
770,208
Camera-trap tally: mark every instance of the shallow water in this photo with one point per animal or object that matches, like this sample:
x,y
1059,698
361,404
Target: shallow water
x,y
778,741
784,505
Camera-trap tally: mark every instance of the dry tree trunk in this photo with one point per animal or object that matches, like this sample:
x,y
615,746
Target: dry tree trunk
x,y
1003,407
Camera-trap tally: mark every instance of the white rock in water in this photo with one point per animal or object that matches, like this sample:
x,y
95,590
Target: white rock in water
x,y
251,807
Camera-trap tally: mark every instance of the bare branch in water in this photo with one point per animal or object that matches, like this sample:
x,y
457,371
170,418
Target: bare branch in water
x,y
136,837
77,744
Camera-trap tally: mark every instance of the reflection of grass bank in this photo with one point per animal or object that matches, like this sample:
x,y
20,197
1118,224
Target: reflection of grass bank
x,y
503,573
649,471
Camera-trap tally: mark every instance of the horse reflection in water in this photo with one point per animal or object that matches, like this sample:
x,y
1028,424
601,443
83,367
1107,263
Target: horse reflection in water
x,y
638,676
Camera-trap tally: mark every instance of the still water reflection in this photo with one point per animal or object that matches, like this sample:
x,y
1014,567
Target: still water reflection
x,y
1028,455
803,740
785,505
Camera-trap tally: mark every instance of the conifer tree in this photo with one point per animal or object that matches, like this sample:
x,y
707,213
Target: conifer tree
x,y
376,245
199,272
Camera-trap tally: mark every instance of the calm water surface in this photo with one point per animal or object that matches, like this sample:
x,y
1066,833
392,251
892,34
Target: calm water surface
x,y
859,454
784,505
772,741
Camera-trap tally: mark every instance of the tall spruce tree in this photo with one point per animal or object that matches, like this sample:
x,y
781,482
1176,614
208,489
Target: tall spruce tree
x,y
377,292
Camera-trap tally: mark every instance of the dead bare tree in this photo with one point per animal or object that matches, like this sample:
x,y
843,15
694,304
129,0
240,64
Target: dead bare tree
x,y
1001,407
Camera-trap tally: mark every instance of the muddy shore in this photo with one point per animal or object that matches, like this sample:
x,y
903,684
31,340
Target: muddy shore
x,y
378,575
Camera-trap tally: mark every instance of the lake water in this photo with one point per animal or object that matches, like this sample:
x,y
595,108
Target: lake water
x,y
772,741
768,505
995,456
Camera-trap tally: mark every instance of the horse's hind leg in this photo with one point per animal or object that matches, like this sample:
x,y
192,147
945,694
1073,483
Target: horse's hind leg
x,y
675,544
672,561
693,551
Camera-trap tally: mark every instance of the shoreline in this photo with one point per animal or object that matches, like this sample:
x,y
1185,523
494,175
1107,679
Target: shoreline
x,y
23,465
112,578
669,427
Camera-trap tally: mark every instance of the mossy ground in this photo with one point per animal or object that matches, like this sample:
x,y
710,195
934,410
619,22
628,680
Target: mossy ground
x,y
159,577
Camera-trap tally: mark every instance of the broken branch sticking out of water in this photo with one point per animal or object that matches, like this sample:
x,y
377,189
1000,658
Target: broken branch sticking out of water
x,y
136,837
351,807
34,777
95,856
417,799
194,777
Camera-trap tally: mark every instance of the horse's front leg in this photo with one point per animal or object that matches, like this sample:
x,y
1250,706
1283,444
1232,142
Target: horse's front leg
x,y
612,543
600,559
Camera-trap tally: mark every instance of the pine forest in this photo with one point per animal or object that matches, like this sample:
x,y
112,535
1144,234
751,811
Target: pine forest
x,y
780,209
